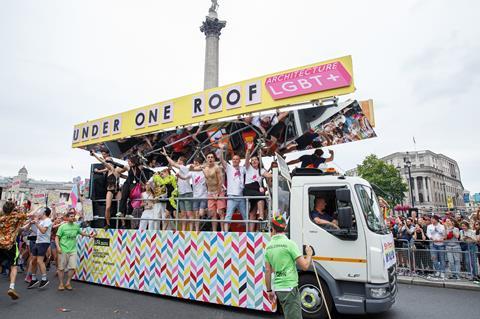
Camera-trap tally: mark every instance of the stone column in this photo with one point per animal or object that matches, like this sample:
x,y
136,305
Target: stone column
x,y
211,27
415,183
425,196
430,193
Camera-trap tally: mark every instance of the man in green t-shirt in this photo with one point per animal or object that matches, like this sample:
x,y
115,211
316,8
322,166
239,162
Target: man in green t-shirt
x,y
282,258
66,241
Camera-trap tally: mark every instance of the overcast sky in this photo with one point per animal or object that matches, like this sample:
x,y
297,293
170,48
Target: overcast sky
x,y
64,62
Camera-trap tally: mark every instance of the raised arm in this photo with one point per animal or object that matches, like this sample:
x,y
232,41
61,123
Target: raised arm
x,y
222,157
101,160
169,159
331,156
248,154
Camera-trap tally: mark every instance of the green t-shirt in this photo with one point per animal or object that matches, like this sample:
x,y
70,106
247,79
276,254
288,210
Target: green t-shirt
x,y
281,255
67,234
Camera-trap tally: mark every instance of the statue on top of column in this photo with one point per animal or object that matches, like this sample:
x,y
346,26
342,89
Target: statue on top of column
x,y
214,6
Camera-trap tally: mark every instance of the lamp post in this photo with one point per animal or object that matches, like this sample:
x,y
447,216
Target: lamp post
x,y
408,166
399,168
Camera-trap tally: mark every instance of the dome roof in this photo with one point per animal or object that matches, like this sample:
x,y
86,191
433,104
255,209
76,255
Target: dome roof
x,y
23,170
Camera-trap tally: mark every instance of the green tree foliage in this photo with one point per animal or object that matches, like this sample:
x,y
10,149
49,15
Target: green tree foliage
x,y
385,176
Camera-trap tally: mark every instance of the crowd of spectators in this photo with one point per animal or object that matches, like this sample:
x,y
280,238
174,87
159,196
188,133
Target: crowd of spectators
x,y
32,238
438,246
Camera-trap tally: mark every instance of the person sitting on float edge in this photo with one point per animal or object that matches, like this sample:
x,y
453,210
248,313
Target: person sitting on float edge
x,y
320,217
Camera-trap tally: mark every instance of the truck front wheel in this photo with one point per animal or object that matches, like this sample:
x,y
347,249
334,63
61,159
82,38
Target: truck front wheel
x,y
311,299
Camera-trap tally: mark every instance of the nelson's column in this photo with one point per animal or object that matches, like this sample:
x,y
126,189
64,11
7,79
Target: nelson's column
x,y
211,27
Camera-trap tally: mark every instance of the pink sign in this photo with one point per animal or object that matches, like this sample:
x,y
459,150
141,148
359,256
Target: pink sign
x,y
313,79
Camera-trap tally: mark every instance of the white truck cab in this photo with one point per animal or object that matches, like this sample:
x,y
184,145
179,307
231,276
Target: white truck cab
x,y
355,262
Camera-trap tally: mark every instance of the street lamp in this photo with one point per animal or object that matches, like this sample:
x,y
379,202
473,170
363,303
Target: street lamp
x,y
407,166
399,168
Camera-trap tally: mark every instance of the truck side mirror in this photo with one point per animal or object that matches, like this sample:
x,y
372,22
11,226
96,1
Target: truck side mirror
x,y
345,218
343,195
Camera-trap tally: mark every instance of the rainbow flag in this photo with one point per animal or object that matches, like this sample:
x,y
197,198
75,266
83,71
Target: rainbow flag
x,y
74,195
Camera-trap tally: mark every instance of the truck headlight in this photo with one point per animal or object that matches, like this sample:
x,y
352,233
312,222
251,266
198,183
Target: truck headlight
x,y
378,292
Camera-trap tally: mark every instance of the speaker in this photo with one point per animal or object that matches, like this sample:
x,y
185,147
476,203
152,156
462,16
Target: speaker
x,y
98,210
97,193
98,183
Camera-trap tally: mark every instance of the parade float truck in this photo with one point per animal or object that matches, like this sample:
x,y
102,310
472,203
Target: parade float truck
x,y
282,114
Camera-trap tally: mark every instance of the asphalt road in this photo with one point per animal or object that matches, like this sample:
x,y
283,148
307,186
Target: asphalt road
x,y
92,301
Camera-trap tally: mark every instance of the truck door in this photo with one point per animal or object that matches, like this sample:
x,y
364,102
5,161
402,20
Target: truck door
x,y
342,252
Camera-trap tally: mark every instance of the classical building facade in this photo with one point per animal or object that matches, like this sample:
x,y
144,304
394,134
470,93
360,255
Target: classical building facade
x,y
20,188
435,178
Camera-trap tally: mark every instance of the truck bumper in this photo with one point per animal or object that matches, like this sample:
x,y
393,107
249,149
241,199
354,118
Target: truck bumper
x,y
355,304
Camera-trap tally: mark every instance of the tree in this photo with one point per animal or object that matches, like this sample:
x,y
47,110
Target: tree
x,y
385,177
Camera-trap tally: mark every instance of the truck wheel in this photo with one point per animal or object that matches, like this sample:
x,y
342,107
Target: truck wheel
x,y
311,300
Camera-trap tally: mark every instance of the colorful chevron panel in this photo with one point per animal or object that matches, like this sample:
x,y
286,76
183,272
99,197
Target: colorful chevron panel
x,y
215,267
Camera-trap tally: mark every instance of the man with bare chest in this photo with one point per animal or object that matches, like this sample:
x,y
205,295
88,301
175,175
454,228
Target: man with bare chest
x,y
215,188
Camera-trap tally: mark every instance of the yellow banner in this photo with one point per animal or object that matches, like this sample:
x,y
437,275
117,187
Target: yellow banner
x,y
449,202
295,86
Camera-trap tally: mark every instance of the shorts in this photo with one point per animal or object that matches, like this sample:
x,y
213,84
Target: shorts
x,y
31,242
199,204
253,189
10,255
216,204
234,204
185,205
67,261
40,249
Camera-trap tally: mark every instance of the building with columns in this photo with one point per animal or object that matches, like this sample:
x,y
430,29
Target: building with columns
x,y
20,188
435,178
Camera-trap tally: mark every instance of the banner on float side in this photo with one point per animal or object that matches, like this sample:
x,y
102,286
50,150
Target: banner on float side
x,y
295,86
214,267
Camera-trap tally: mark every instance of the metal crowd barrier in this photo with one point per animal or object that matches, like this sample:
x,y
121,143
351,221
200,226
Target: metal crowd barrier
x,y
455,260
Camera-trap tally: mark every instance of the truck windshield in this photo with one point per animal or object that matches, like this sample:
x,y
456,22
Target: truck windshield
x,y
371,210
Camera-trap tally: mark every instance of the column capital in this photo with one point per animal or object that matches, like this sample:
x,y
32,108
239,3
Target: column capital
x,y
212,26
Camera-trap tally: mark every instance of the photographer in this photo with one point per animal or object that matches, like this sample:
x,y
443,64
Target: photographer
x,y
405,235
